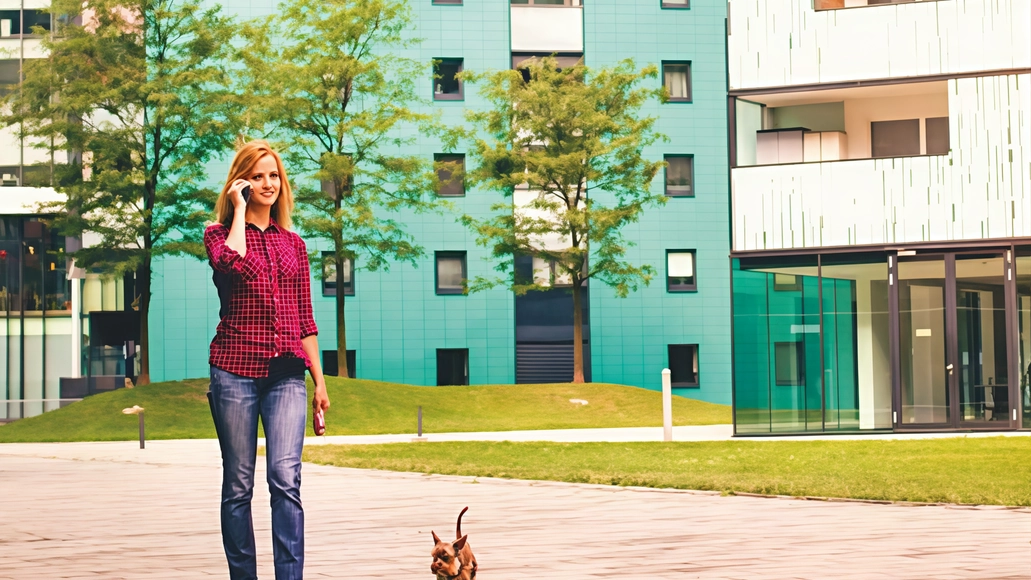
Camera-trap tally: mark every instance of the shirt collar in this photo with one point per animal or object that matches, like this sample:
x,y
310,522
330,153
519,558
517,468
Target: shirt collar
x,y
272,226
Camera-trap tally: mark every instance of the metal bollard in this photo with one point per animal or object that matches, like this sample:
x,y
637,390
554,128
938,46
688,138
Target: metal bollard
x,y
667,405
420,421
138,411
142,444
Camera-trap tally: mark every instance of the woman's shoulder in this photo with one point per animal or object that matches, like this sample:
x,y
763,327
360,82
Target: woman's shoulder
x,y
296,239
215,228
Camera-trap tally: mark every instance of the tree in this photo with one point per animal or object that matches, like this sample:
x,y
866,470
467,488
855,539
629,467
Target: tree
x,y
333,88
133,92
571,138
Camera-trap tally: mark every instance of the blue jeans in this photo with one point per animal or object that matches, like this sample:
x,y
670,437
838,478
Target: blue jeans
x,y
237,403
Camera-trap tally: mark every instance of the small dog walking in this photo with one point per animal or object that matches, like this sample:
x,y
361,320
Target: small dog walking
x,y
453,560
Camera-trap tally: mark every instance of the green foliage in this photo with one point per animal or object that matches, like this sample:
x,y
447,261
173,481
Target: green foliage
x,y
324,78
574,137
136,98
179,410
957,470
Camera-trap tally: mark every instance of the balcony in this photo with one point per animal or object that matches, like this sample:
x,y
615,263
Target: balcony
x,y
836,125
836,4
837,168
547,26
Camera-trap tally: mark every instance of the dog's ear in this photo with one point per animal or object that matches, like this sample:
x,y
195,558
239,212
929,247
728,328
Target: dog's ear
x,y
436,540
460,543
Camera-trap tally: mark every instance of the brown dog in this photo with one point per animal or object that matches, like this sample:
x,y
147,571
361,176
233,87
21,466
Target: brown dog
x,y
453,560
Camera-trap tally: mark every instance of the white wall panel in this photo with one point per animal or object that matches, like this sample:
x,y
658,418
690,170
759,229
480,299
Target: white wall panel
x,y
786,42
982,189
547,29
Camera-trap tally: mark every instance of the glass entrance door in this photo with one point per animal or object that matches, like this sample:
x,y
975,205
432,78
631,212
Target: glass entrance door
x,y
982,364
954,360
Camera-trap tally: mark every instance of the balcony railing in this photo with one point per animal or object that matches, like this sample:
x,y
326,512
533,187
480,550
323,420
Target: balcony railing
x,y
839,4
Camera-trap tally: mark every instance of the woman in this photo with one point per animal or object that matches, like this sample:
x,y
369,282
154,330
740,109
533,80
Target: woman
x,y
265,340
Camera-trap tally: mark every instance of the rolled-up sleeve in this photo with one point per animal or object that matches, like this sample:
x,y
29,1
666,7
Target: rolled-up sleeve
x,y
225,259
304,309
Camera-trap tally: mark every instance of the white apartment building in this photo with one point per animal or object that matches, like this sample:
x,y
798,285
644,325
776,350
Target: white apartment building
x,y
881,200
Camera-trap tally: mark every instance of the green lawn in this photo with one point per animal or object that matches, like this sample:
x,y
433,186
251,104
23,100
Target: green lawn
x,y
179,410
992,470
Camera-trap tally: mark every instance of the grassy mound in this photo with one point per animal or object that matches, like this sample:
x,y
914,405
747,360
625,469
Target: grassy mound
x,y
179,410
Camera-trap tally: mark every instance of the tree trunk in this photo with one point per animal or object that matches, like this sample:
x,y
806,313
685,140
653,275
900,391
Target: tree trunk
x,y
143,287
342,370
578,333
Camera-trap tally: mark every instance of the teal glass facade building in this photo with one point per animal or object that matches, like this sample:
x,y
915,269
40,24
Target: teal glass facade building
x,y
402,330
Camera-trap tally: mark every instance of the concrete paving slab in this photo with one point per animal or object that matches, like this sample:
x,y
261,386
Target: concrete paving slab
x,y
113,511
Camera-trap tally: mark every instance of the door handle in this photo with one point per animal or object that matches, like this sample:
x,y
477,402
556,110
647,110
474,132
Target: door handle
x,y
949,368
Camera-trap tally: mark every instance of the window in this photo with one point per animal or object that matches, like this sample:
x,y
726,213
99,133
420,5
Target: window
x,y
9,75
446,87
680,175
450,175
786,283
331,367
895,138
447,2
521,61
683,364
790,362
937,132
549,273
10,176
329,276
680,269
12,21
676,4
451,273
676,77
452,366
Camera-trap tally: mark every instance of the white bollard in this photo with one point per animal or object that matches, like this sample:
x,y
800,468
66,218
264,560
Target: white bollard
x,y
667,406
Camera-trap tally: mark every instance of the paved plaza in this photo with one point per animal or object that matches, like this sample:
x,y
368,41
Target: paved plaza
x,y
112,511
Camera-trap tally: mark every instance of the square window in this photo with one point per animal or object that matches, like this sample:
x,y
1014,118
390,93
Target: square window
x,y
790,363
446,87
451,272
452,366
895,138
683,364
680,175
329,276
331,367
676,77
937,133
786,283
676,4
450,175
680,271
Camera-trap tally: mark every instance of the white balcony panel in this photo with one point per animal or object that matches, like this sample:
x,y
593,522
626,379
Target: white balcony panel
x,y
787,42
547,29
982,189
26,200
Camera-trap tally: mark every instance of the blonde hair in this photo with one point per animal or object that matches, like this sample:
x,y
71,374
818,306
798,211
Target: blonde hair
x,y
246,158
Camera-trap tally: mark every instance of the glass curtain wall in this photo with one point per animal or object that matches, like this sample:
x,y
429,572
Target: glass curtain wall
x,y
1024,334
811,351
35,306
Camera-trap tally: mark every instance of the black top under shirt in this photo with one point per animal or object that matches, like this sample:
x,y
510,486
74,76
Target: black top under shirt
x,y
279,368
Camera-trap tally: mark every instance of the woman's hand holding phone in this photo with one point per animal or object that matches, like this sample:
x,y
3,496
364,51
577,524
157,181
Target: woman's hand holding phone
x,y
242,189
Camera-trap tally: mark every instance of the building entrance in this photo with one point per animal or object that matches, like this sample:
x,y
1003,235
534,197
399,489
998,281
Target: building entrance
x,y
954,356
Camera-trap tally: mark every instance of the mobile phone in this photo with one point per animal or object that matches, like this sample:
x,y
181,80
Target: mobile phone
x,y
246,193
318,422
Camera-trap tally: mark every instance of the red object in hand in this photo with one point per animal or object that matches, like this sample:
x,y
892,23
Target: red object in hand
x,y
319,422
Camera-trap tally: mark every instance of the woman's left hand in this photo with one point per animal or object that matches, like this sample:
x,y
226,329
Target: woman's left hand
x,y
320,402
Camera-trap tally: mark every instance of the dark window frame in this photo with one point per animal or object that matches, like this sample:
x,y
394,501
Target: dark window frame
x,y
330,288
693,361
665,174
664,4
465,351
448,158
457,96
798,379
449,254
690,89
691,286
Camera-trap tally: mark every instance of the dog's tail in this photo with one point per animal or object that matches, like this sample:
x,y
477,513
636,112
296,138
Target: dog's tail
x,y
458,532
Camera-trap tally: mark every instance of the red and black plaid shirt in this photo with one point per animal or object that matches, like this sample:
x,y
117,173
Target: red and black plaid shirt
x,y
270,304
